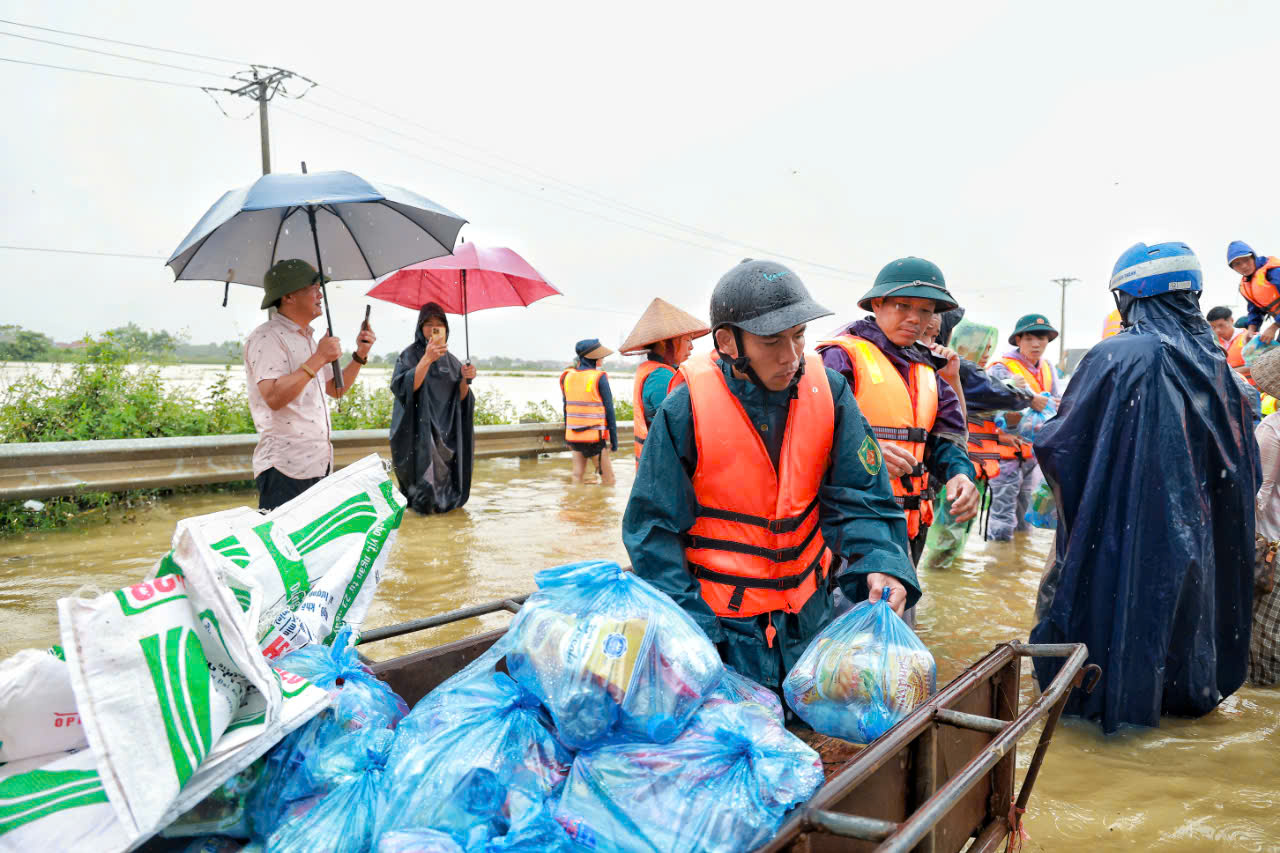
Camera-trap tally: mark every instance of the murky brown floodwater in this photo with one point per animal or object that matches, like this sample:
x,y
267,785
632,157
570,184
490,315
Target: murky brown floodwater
x,y
1203,785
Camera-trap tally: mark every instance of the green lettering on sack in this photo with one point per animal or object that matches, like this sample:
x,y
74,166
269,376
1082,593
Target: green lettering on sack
x,y
39,793
293,574
373,544
354,515
180,675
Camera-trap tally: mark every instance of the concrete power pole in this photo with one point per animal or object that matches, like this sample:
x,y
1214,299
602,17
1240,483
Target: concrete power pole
x,y
1062,322
261,84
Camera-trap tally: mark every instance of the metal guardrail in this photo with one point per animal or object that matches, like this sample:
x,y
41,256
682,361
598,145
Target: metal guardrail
x,y
48,469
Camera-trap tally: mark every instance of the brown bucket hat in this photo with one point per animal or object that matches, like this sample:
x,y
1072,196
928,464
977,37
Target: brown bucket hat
x,y
660,321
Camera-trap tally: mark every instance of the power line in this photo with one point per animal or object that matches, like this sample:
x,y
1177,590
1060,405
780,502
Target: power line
x,y
590,194
543,198
116,55
83,252
125,43
102,73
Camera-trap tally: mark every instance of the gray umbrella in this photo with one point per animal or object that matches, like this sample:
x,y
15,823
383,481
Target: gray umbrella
x,y
365,229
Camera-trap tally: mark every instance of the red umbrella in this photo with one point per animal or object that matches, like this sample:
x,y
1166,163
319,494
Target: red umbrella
x,y
471,279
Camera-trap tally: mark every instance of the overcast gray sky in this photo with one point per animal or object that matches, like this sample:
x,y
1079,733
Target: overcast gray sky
x,y
1011,143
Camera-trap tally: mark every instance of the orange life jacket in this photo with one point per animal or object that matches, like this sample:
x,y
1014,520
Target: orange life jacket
x,y
1259,291
1112,325
900,413
1039,383
756,545
584,416
985,449
1235,357
640,425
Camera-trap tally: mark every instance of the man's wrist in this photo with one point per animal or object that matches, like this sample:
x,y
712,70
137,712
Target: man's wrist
x,y
358,358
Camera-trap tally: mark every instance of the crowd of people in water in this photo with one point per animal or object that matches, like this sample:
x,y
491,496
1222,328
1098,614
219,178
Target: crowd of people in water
x,y
783,475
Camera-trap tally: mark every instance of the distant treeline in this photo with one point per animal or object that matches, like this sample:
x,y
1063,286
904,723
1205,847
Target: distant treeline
x,y
19,344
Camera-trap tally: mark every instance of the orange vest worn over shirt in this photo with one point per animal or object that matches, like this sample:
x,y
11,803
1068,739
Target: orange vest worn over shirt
x,y
639,424
583,406
985,449
1259,291
900,413
1235,356
756,545
1038,383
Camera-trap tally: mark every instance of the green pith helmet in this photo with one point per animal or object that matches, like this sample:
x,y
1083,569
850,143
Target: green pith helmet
x,y
286,277
1032,323
911,277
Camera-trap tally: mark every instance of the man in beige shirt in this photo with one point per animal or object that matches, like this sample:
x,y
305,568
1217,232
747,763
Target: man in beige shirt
x,y
288,374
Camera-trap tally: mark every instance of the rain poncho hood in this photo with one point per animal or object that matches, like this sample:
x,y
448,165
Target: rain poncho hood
x,y
1154,468
432,431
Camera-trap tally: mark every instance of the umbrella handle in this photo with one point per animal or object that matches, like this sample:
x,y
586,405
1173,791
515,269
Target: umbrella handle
x,y
338,383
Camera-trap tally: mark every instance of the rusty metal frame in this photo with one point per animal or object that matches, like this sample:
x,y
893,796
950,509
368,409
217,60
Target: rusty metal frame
x,y
922,723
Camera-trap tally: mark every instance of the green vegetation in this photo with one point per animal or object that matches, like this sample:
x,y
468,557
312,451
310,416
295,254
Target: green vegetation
x,y
108,394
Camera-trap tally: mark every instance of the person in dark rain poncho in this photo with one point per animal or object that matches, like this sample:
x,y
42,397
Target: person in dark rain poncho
x,y
432,424
1154,467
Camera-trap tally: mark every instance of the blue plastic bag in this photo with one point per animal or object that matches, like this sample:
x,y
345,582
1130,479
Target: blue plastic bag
x,y
1042,512
417,841
347,777
737,688
1031,422
360,701
724,785
861,675
611,657
475,758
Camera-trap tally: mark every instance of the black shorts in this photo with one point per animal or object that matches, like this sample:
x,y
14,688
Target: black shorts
x,y
589,449
275,488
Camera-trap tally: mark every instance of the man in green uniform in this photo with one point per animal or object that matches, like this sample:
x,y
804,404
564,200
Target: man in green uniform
x,y
759,312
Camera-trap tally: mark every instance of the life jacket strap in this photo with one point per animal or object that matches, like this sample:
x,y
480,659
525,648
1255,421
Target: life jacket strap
x,y
742,584
778,555
773,525
910,434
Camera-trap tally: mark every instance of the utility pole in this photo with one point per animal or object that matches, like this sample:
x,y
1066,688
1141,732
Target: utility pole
x,y
1062,322
261,84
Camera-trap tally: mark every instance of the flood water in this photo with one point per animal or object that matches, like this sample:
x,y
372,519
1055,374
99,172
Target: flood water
x,y
1201,785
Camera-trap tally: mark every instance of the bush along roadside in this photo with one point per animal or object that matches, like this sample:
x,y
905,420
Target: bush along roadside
x,y
110,395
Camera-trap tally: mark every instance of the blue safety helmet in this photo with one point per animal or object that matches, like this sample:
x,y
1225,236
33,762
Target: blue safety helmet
x,y
1151,270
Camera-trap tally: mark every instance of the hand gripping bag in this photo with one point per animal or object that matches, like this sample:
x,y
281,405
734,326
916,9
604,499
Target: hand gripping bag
x,y
1031,422
861,675
725,785
348,777
610,656
476,758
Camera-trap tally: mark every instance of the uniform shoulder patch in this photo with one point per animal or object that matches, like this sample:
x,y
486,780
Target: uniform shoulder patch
x,y
869,455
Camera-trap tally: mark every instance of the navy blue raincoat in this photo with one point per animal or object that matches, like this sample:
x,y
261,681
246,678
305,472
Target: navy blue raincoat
x,y
1154,467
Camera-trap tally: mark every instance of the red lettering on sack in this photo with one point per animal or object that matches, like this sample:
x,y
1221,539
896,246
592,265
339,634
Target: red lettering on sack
x,y
277,647
289,678
166,583
141,591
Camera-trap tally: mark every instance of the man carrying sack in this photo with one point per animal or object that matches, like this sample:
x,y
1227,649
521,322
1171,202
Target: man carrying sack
x,y
288,373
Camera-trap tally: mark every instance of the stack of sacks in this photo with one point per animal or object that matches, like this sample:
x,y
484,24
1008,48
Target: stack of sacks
x,y
611,657
724,785
861,675
316,560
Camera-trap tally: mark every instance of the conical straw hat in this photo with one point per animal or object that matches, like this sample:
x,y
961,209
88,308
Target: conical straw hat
x,y
1266,372
662,320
